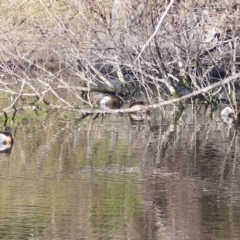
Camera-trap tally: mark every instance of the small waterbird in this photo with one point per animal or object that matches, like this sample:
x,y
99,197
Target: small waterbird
x,y
6,136
139,115
112,101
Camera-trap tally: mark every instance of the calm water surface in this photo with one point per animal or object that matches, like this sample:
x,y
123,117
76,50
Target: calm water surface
x,y
107,178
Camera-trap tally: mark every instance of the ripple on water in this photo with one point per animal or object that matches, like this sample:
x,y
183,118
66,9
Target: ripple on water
x,y
105,178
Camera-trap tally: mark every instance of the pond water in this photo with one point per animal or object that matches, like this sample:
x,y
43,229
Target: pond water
x,y
107,178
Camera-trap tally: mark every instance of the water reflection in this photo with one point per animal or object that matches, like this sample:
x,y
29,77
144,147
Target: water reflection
x,y
6,148
104,178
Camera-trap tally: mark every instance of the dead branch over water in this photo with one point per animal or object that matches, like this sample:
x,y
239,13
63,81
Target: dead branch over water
x,y
166,52
171,101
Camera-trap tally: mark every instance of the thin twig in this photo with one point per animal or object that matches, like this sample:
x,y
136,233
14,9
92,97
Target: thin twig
x,y
156,30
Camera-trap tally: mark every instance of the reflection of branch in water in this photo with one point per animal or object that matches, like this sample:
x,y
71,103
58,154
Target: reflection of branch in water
x,y
114,141
13,116
168,136
213,108
162,141
178,114
159,149
6,118
145,158
165,142
227,153
85,115
96,116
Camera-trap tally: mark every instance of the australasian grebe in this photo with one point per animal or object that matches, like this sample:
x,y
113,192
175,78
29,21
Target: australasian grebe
x,y
6,136
112,101
139,115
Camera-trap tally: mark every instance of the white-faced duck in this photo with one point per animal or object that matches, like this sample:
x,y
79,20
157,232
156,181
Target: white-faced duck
x,y
6,136
112,101
139,115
